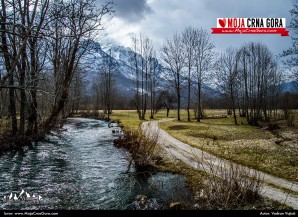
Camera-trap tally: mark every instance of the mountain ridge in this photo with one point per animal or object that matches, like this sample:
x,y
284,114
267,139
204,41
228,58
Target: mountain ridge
x,y
121,57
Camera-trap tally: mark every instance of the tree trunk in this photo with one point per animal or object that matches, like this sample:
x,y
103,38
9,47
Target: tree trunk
x,y
199,101
188,96
23,94
178,95
32,108
233,103
178,107
12,107
52,119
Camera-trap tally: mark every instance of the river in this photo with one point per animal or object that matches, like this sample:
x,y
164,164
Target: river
x,y
79,168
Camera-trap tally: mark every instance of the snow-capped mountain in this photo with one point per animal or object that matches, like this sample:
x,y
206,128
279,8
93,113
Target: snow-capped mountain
x,y
290,86
122,61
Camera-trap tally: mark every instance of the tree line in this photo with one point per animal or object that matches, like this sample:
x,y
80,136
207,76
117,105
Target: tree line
x,y
249,78
42,43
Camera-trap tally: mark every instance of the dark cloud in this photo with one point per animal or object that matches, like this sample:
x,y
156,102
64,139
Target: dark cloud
x,y
131,10
174,15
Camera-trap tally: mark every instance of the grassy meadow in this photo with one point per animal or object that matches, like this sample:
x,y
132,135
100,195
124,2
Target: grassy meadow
x,y
276,154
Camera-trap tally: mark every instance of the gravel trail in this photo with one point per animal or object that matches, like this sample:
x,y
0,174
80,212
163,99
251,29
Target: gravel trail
x,y
204,161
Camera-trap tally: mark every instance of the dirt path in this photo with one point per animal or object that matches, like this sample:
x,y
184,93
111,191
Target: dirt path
x,y
204,161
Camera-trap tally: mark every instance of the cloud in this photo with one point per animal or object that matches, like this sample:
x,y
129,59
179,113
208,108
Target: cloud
x,y
174,15
131,10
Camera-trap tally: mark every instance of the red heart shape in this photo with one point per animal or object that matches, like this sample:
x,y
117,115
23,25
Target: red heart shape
x,y
222,22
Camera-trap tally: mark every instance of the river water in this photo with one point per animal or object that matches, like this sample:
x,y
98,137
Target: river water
x,y
79,168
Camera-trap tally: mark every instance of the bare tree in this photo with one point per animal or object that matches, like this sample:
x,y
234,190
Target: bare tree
x,y
106,82
36,46
250,79
173,55
204,55
227,74
135,66
77,93
155,69
165,100
141,63
21,26
147,50
72,33
260,79
42,43
96,95
189,42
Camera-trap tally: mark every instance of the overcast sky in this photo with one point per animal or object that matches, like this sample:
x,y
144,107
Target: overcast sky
x,y
159,19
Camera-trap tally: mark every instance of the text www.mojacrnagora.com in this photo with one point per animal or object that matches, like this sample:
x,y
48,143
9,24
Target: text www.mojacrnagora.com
x,y
30,213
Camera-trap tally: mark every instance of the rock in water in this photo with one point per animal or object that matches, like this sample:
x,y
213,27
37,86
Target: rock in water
x,y
143,203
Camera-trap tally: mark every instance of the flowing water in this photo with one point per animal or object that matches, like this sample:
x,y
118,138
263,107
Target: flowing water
x,y
79,169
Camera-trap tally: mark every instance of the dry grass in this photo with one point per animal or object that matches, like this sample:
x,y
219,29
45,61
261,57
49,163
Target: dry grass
x,y
128,119
247,145
234,190
142,149
243,144
222,129
228,187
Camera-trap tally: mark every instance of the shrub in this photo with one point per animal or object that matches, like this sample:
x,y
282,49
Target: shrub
x,y
142,148
228,186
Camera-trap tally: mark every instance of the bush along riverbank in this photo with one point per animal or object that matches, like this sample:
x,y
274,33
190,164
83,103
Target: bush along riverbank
x,y
234,190
144,156
142,149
